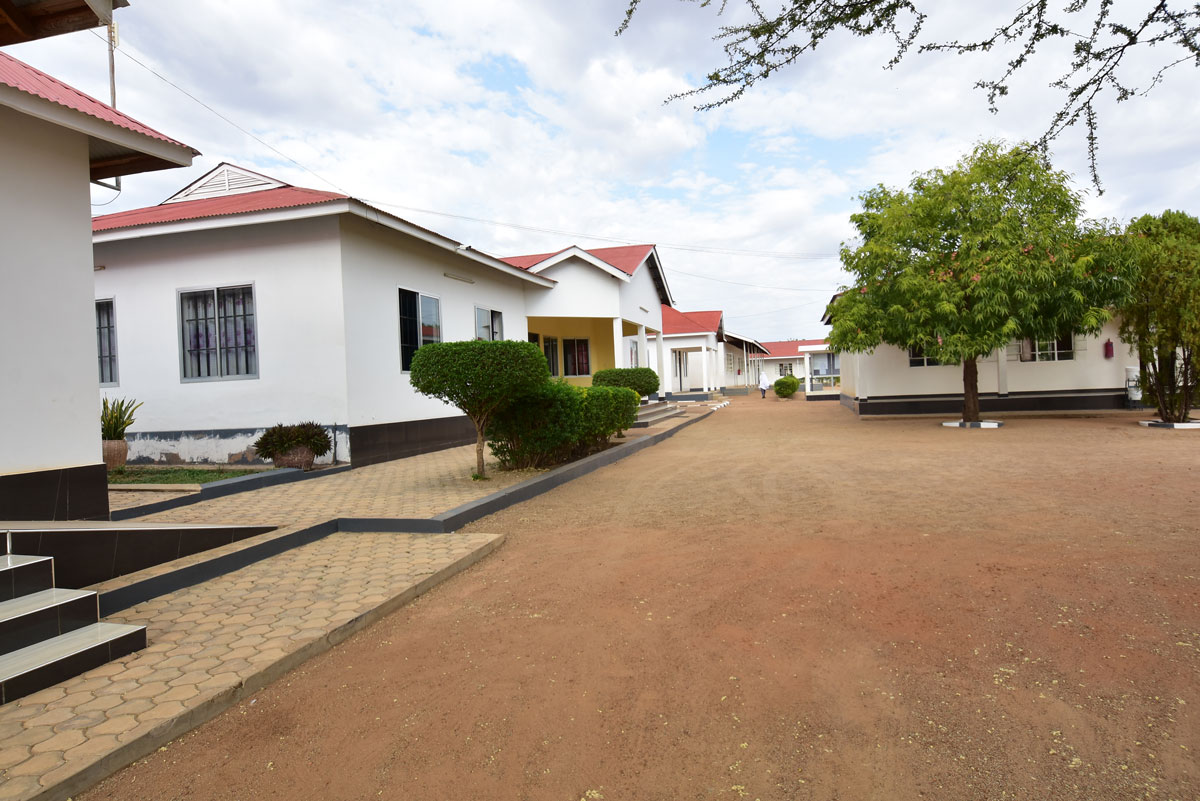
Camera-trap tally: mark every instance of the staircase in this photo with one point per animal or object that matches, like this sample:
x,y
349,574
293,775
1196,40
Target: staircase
x,y
656,412
49,634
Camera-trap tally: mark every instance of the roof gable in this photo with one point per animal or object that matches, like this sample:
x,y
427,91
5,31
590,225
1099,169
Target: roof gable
x,y
226,179
793,347
678,322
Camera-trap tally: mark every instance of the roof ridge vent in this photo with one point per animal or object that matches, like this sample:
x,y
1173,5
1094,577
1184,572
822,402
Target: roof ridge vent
x,y
224,180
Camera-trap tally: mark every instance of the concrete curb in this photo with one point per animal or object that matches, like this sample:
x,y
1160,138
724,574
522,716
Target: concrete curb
x,y
119,598
225,698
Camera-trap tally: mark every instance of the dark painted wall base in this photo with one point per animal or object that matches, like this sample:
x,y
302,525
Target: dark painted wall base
x,y
67,493
387,441
1066,401
821,397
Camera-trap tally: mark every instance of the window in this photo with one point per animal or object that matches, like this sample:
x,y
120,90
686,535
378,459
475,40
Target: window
x,y
825,364
106,342
633,353
917,358
785,368
575,357
1053,350
550,348
489,324
420,324
218,333
729,363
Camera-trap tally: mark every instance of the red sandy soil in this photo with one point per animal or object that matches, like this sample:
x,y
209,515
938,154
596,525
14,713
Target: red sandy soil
x,y
780,602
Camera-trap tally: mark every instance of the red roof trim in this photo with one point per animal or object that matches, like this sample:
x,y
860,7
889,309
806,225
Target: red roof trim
x,y
30,80
279,198
626,258
701,322
788,347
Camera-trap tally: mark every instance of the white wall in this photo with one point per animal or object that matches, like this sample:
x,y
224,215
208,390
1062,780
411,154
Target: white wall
x,y
886,372
583,290
294,268
377,262
639,301
47,315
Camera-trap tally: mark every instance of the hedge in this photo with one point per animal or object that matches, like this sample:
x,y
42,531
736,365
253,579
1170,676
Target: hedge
x,y
641,380
786,386
557,422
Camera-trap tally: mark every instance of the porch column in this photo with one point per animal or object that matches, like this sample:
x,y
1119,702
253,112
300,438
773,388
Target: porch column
x,y
807,373
643,351
664,375
1002,372
704,368
618,344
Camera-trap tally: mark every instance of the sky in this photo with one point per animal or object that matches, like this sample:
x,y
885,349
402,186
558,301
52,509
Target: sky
x,y
525,127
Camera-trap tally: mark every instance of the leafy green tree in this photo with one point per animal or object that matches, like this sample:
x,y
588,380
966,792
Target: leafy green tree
x,y
967,260
1098,37
1162,317
479,377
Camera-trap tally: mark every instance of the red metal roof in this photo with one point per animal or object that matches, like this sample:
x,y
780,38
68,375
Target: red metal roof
x,y
279,198
626,258
788,347
24,78
677,322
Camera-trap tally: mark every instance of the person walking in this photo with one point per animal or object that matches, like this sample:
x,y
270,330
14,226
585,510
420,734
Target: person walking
x,y
764,383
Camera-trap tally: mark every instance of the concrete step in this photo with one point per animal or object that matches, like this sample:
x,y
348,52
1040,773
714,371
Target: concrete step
x,y
21,575
38,616
655,413
47,663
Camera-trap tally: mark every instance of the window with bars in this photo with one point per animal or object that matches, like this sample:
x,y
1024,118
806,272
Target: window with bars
x,y
489,324
106,342
219,337
575,357
550,348
420,324
785,368
1052,350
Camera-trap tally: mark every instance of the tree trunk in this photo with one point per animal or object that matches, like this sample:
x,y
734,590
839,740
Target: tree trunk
x,y
970,391
479,426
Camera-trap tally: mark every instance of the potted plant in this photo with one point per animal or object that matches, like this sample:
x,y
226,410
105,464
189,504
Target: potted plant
x,y
115,417
293,446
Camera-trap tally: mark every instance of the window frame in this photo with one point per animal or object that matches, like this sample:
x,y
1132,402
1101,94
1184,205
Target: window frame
x,y
495,316
587,342
420,323
550,351
1054,353
181,334
917,358
115,369
786,368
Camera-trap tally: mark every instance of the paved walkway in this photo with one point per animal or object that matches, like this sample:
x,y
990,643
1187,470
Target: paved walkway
x,y
223,639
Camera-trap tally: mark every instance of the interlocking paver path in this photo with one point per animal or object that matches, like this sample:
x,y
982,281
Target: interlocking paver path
x,y
212,643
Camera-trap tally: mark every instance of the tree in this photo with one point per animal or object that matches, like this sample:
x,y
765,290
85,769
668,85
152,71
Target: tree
x,y
1162,317
966,261
478,377
1099,40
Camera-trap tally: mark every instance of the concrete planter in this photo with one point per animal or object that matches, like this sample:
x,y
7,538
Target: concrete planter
x,y
115,452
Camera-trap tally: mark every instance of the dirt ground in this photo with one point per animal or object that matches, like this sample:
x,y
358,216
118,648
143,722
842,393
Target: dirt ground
x,y
780,602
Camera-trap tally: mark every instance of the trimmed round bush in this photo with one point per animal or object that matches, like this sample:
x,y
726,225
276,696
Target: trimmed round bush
x,y
540,429
641,380
606,411
279,439
787,386
480,378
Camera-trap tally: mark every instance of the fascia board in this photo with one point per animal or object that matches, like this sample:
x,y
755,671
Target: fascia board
x,y
670,299
583,255
69,118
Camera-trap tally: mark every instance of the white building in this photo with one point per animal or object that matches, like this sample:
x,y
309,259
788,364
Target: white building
x,y
242,301
810,360
702,355
1072,373
606,304
53,141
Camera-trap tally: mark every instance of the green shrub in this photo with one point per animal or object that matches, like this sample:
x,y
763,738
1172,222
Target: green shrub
x,y
606,411
786,386
279,439
115,417
480,378
540,429
641,380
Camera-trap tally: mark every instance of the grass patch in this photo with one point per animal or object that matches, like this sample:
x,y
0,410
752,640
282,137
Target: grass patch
x,y
138,474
